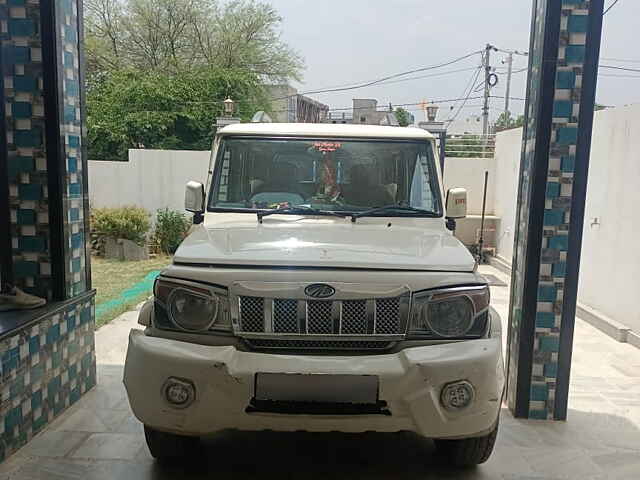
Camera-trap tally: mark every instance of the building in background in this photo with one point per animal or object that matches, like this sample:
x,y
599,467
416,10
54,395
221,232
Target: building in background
x,y
288,106
365,112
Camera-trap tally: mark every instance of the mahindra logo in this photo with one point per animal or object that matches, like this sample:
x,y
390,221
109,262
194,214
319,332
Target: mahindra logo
x,y
319,290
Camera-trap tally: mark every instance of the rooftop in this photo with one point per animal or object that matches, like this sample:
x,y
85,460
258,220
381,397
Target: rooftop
x,y
326,130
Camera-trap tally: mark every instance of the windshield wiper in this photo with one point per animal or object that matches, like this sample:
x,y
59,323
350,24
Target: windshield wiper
x,y
299,210
402,208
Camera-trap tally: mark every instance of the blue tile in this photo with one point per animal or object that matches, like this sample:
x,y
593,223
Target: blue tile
x,y
75,189
553,190
32,244
25,83
74,213
76,266
565,80
74,141
539,392
13,55
567,135
34,344
559,269
31,191
68,61
559,242
19,164
71,323
21,110
538,414
53,334
86,362
21,27
72,165
36,400
545,320
13,418
72,88
549,344
575,53
553,217
578,23
551,370
568,164
73,371
53,387
562,109
76,240
23,269
28,138
74,395
547,293
26,217
70,34
69,114
85,315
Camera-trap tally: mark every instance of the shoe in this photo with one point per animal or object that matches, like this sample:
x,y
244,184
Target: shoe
x,y
16,299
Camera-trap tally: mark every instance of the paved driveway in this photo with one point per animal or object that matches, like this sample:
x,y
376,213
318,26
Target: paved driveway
x,y
98,438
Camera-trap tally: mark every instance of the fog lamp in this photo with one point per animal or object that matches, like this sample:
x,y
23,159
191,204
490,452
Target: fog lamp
x,y
179,393
456,396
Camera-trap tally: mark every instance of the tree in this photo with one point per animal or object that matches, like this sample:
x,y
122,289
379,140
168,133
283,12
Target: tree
x,y
404,117
133,109
177,35
506,122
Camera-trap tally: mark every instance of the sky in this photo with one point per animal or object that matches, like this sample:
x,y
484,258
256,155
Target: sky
x,y
351,41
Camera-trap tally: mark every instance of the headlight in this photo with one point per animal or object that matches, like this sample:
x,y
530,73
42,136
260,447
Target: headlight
x,y
190,307
459,312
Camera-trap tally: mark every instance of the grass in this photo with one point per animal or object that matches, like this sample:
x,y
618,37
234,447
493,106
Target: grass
x,y
111,278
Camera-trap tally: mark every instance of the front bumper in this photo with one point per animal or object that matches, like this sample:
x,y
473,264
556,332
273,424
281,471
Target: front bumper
x,y
410,382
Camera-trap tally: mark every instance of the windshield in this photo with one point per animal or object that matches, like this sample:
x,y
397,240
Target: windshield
x,y
329,175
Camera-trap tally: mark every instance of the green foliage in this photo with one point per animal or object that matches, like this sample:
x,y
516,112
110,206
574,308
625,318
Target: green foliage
x,y
178,35
154,110
131,223
404,117
506,122
171,228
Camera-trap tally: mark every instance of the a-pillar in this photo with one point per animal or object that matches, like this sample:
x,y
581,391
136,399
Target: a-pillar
x,y
563,67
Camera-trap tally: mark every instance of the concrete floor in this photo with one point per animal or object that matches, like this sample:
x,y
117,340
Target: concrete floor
x,y
98,438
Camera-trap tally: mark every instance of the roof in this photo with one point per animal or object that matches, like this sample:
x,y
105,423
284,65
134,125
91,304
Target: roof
x,y
325,130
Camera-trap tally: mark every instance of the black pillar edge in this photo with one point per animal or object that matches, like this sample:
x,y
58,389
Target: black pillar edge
x,y
579,194
6,262
84,146
54,149
535,230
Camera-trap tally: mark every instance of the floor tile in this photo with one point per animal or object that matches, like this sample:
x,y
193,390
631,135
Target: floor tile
x,y
121,446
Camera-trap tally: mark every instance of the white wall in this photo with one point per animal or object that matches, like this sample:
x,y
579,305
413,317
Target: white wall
x,y
153,179
611,247
507,164
469,173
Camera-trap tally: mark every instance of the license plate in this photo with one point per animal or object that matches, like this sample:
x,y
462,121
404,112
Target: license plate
x,y
323,388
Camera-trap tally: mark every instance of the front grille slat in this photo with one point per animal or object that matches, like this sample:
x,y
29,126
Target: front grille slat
x,y
319,317
387,316
285,316
354,317
252,314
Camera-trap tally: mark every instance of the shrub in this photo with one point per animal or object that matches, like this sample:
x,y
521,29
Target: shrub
x,y
131,223
171,228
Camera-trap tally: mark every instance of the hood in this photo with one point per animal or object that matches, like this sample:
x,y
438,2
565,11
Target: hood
x,y
327,242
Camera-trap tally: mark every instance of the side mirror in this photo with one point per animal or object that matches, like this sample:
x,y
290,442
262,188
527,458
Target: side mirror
x,y
194,200
456,203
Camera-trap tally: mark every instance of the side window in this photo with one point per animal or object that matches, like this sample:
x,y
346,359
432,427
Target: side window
x,y
421,193
223,190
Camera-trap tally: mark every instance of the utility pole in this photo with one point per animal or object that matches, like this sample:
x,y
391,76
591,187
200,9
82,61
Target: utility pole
x,y
487,89
507,114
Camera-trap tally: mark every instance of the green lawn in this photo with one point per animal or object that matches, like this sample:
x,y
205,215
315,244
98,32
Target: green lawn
x,y
120,286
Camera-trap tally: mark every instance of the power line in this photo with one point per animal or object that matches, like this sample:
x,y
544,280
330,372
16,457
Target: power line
x,y
626,69
469,87
611,6
388,77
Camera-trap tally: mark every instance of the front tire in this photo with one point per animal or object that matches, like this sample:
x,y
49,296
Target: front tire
x,y
468,452
169,446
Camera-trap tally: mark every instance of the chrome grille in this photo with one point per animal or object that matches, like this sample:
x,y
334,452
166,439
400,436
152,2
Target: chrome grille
x,y
252,314
354,317
285,316
319,318
387,316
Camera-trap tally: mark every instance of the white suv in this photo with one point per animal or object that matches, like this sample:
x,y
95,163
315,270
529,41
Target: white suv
x,y
320,290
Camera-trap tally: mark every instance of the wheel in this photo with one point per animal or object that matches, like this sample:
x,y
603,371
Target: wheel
x,y
467,452
169,446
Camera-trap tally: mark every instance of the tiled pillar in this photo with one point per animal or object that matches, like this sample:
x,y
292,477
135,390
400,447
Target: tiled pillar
x,y
563,66
47,356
